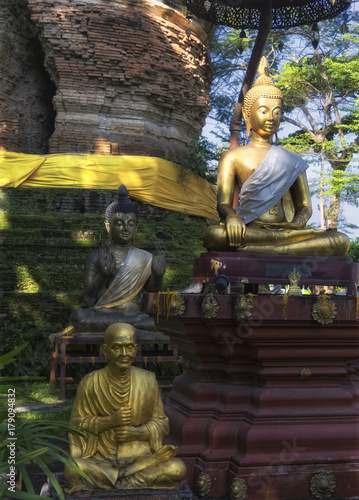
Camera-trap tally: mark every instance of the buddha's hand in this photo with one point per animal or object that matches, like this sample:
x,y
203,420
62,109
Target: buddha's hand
x,y
130,433
236,229
122,416
107,263
158,262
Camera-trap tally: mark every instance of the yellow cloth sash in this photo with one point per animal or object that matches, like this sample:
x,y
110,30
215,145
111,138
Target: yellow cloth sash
x,y
148,179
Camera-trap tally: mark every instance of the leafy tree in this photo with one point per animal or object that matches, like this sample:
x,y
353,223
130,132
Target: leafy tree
x,y
199,159
320,87
354,250
230,50
230,53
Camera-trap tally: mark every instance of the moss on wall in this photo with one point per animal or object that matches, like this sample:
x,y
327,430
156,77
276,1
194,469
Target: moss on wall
x,y
43,254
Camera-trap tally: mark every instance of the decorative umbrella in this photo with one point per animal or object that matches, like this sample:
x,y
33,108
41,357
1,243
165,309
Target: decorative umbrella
x,y
262,15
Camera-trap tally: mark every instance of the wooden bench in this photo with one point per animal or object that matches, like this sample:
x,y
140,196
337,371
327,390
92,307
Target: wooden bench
x,y
87,348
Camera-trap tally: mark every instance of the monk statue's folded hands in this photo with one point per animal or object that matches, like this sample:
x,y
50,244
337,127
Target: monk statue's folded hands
x,y
122,416
128,433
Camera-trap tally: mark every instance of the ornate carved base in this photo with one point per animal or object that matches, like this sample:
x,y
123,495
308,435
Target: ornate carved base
x,y
269,397
277,481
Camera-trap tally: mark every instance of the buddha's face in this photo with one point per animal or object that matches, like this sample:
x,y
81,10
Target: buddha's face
x,y
123,228
265,117
120,347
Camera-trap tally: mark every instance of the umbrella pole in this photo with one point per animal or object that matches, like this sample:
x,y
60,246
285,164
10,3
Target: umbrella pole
x,y
265,24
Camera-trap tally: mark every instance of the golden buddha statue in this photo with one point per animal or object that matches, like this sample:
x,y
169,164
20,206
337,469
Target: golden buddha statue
x,y
122,405
117,272
274,204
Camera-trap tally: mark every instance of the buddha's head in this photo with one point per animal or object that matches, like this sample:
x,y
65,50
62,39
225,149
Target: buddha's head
x,y
121,219
262,104
120,346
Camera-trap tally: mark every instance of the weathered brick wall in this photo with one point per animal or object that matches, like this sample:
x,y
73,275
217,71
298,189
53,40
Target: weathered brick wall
x,y
131,76
26,91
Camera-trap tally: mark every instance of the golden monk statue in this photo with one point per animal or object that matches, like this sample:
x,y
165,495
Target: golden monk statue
x,y
122,404
274,204
117,272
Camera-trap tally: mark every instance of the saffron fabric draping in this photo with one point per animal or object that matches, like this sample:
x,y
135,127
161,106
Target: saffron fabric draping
x,y
148,179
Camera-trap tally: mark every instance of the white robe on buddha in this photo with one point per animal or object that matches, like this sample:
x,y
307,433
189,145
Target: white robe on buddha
x,y
268,184
129,280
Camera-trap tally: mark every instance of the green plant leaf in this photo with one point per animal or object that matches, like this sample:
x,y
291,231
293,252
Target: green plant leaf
x,y
26,478
19,378
52,478
24,458
8,358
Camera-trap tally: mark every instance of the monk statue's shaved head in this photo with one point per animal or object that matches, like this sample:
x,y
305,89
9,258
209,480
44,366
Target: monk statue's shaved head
x,y
117,330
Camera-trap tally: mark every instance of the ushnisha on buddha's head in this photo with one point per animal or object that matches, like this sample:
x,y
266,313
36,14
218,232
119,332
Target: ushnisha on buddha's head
x,y
263,104
121,219
120,346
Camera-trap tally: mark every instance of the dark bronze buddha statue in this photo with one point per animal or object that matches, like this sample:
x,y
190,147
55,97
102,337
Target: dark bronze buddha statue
x,y
117,273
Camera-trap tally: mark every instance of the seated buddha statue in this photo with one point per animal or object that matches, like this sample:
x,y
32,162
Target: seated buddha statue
x,y
122,406
274,203
117,273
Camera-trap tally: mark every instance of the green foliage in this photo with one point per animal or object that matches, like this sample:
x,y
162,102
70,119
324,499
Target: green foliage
x,y
300,142
229,53
37,441
35,360
181,237
197,160
41,391
321,86
354,250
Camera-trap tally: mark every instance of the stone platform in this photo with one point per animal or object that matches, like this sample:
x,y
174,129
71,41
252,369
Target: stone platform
x,y
270,394
180,493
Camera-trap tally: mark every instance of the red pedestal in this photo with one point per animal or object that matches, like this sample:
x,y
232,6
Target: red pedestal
x,y
269,395
274,269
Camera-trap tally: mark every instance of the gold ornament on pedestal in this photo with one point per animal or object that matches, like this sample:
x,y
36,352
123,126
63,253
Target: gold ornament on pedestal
x,y
203,484
238,489
243,307
294,277
322,485
210,307
324,310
